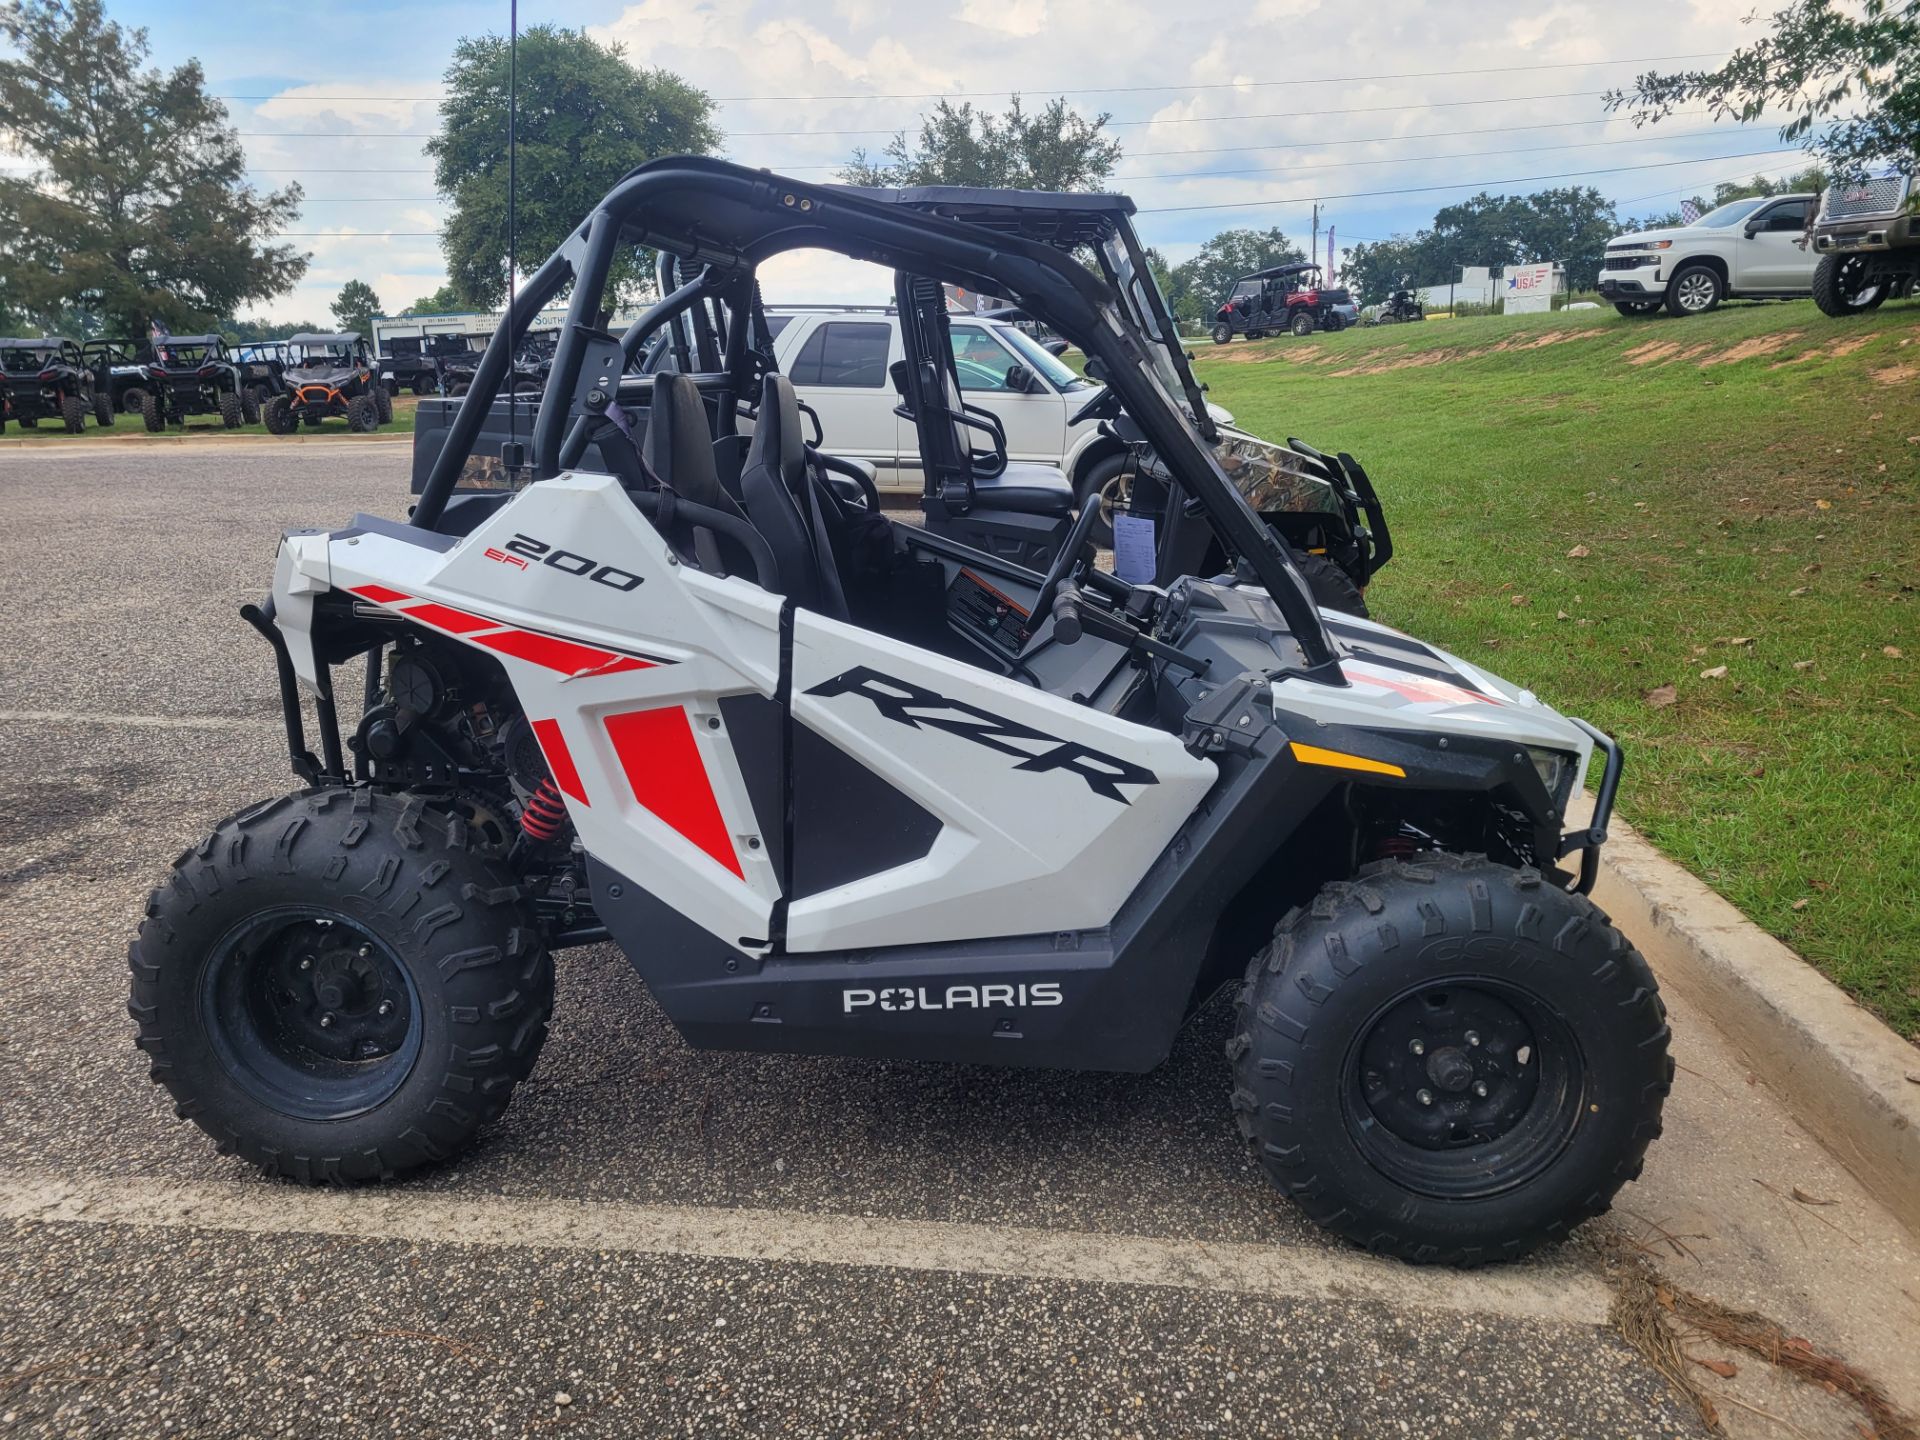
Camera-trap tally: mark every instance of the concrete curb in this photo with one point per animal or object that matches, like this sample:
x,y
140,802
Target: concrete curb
x,y
1839,1071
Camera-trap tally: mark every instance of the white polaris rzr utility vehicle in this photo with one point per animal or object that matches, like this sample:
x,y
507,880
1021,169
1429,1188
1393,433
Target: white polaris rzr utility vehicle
x,y
841,786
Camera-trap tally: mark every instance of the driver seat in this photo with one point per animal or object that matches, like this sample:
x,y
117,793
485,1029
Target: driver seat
x,y
776,491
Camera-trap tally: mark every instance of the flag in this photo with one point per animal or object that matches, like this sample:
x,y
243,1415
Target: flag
x,y
1689,211
1329,254
158,330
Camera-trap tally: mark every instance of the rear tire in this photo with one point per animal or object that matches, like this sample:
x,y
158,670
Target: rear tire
x,y
250,404
1837,287
150,411
102,409
1450,1061
231,414
1301,324
363,415
383,400
337,988
73,410
279,416
133,401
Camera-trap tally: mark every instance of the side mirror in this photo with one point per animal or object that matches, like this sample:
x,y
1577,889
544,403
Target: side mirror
x,y
1055,348
1096,369
1019,379
1752,230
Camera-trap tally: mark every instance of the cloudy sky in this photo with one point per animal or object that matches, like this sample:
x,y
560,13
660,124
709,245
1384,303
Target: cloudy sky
x,y
1221,108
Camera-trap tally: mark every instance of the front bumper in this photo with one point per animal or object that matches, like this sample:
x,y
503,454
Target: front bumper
x,y
1881,232
1643,283
1589,840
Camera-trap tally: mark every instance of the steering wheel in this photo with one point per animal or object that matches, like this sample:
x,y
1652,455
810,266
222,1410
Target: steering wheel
x,y
1068,557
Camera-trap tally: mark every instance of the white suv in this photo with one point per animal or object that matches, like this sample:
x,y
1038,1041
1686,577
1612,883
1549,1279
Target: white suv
x,y
839,359
1753,248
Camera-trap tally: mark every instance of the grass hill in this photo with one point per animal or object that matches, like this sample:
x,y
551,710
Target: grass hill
x,y
1701,534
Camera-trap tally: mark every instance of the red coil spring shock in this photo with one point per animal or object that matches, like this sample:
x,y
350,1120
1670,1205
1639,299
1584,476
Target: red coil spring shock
x,y
545,817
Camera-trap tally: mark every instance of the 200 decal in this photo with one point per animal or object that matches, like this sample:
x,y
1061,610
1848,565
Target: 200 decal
x,y
567,562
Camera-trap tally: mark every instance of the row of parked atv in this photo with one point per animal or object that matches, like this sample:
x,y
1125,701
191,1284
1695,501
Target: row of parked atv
x,y
305,380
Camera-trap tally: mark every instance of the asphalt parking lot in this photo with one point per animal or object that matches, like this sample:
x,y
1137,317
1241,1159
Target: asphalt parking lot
x,y
657,1240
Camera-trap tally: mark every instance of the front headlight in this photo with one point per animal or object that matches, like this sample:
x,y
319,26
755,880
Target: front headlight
x,y
1556,769
1660,245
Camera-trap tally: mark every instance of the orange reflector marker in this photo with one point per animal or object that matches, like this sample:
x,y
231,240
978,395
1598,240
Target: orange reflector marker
x,y
1340,760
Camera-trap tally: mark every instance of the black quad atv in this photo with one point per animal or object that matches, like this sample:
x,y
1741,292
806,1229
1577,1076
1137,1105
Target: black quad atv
x,y
1399,308
195,375
766,774
120,372
263,369
1280,300
49,379
329,375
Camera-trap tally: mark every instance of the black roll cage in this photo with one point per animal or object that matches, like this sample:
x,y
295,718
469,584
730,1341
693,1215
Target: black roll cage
x,y
721,221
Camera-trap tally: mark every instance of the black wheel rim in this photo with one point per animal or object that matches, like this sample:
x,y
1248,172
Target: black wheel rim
x,y
1856,290
309,1013
1465,1087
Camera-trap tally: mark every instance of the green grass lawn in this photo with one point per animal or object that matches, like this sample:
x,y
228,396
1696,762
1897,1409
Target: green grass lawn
x,y
127,428
1601,508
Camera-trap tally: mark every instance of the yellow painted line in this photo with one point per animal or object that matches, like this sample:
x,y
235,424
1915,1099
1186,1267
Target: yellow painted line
x,y
1340,760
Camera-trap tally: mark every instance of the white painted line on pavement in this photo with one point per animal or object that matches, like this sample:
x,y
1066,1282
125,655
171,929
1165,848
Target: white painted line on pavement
x,y
139,722
1553,1293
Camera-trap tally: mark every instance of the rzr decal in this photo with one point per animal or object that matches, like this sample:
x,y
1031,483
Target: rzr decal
x,y
910,705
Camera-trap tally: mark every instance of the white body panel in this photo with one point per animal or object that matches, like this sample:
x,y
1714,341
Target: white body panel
x,y
1020,851
1024,850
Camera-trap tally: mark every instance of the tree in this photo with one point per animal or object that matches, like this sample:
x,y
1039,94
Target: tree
x,y
586,117
1571,225
444,301
1819,60
1054,148
1374,269
1197,286
355,306
243,332
138,208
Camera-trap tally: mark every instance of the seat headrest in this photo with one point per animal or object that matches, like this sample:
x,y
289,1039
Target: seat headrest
x,y
777,439
679,443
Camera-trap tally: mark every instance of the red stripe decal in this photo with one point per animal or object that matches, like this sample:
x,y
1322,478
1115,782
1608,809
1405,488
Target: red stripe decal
x,y
662,761
445,617
379,594
559,759
562,655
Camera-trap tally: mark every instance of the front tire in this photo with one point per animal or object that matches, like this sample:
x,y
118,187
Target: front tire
x,y
1840,288
1694,290
1634,309
231,411
1332,587
383,402
102,409
363,415
336,987
152,414
134,401
1301,324
1223,334
1450,1061
250,405
279,416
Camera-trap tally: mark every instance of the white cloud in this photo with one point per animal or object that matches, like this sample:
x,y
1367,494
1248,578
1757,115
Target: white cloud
x,y
1019,18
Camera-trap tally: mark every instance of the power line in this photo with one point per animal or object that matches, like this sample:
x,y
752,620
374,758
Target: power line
x,y
1443,155
1453,185
1403,106
1093,90
1326,144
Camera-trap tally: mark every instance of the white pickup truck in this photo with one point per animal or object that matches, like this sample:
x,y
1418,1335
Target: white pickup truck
x,y
1754,248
